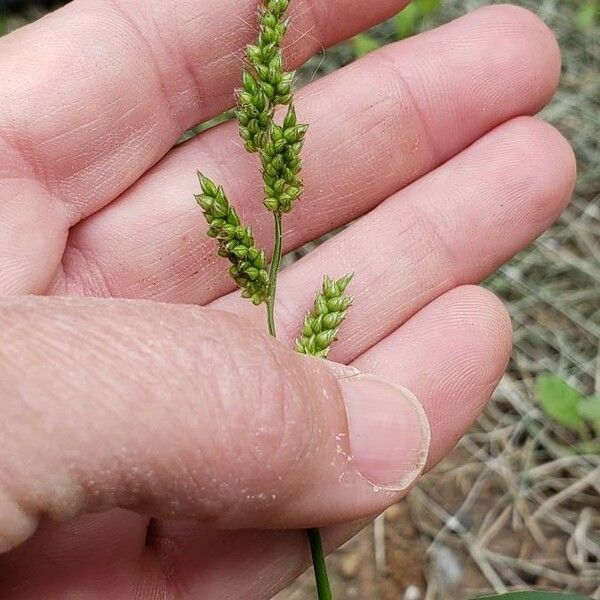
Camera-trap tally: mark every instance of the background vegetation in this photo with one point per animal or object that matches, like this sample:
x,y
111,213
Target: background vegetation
x,y
518,503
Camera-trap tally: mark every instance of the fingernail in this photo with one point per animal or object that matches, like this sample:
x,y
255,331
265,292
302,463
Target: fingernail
x,y
388,431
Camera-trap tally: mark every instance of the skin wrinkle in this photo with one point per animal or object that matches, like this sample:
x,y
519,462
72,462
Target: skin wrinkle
x,y
25,149
293,414
104,171
193,87
447,255
46,196
228,62
77,263
18,199
145,43
386,117
181,276
88,127
190,97
273,415
9,145
404,92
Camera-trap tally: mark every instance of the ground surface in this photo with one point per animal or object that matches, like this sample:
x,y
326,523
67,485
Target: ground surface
x,y
515,504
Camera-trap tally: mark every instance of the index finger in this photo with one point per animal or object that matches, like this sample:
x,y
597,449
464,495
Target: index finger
x,y
95,93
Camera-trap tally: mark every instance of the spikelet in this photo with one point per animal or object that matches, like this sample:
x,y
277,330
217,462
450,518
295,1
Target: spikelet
x,y
322,324
235,241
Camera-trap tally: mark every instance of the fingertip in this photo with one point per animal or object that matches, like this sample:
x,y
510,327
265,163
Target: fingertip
x,y
451,355
547,167
472,333
558,157
485,322
528,44
473,355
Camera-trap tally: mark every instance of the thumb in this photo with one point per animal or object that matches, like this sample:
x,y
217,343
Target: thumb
x,y
184,412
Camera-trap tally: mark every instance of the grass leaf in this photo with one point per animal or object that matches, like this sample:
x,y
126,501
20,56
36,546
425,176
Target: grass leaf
x,y
559,400
589,410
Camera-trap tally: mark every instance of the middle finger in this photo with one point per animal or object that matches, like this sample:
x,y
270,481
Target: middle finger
x,y
454,226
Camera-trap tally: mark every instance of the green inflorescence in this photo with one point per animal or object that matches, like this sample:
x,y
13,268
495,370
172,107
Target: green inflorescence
x,y
281,163
322,324
235,241
265,83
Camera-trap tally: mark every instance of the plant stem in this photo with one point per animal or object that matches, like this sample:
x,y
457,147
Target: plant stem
x,y
314,536
273,272
318,558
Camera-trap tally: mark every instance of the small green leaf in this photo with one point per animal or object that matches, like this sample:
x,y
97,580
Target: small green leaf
x,y
589,410
587,14
363,44
559,400
535,596
407,21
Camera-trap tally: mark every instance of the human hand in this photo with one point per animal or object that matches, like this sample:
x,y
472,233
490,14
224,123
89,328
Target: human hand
x,y
113,411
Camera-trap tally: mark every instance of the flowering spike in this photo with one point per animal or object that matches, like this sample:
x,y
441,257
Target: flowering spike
x,y
235,241
265,85
322,324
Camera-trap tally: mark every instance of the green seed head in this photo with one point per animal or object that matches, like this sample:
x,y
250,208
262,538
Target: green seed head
x,y
321,325
236,242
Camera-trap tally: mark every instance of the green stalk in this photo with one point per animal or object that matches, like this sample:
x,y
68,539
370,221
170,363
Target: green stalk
x,y
318,558
273,272
314,536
